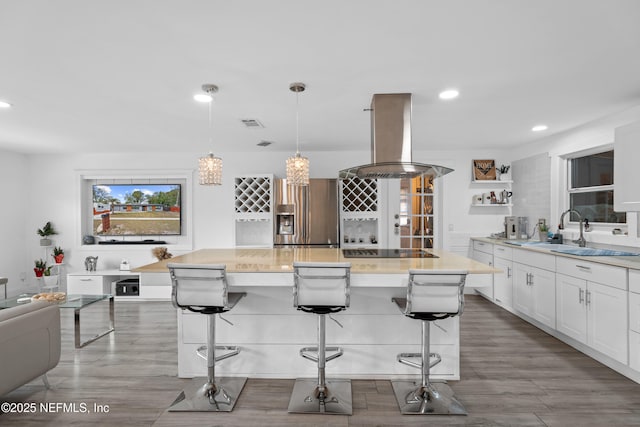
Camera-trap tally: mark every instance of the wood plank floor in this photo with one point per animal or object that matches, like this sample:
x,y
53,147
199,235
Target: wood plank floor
x,y
512,374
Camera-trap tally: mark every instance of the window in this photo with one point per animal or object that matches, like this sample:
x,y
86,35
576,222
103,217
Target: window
x,y
591,189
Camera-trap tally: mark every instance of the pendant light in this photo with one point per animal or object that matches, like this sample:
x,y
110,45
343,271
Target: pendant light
x,y
210,166
297,166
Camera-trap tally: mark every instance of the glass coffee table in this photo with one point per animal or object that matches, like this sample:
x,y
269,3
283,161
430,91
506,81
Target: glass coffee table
x,y
77,303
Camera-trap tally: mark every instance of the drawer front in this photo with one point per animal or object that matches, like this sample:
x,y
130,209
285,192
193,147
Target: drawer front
x,y
86,285
634,281
502,252
483,247
593,272
535,259
634,312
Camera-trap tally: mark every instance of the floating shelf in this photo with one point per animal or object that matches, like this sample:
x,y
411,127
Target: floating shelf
x,y
493,205
491,181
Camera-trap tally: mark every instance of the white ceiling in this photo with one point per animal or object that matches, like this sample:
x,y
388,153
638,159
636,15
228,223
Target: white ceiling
x,y
120,75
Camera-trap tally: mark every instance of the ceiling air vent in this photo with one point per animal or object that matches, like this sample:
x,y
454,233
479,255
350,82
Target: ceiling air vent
x,y
264,143
252,123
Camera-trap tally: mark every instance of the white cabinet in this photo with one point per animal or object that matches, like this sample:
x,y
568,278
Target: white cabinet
x,y
360,213
593,314
483,283
88,285
253,204
626,173
503,282
534,293
634,319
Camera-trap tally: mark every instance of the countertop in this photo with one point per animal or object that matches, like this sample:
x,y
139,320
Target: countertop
x,y
632,262
281,261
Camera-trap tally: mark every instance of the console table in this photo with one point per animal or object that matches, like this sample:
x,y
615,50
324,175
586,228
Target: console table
x,y
77,303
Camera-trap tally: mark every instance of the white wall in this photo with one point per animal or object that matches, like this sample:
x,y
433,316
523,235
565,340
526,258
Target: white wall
x,y
16,201
212,211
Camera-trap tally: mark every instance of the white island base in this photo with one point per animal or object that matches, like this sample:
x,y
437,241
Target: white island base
x,y
271,332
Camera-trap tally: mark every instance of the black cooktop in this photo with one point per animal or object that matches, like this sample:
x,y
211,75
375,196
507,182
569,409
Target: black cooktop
x,y
387,253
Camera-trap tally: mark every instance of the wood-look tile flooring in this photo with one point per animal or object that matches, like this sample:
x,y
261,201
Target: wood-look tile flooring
x,y
512,374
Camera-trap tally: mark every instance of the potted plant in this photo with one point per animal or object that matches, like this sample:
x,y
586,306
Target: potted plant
x,y
50,280
543,230
40,267
45,232
504,172
58,254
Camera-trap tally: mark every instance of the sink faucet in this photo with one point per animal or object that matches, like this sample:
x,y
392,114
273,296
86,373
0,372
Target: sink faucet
x,y
580,241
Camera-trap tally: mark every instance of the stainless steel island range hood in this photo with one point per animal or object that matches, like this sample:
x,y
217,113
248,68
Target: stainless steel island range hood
x,y
391,142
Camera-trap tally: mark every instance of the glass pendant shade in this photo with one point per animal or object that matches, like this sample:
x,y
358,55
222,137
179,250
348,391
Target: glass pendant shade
x,y
298,170
210,170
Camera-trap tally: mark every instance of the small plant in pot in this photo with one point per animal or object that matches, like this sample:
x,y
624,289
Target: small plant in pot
x,y
543,230
50,280
40,267
45,232
58,254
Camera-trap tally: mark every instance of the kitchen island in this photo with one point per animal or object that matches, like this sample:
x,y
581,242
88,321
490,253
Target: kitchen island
x,y
271,332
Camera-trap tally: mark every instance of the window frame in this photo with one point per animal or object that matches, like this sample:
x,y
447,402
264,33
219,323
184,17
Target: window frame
x,y
569,190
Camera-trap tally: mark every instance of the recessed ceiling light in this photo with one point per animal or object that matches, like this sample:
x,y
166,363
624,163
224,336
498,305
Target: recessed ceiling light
x,y
203,97
4,104
539,128
449,94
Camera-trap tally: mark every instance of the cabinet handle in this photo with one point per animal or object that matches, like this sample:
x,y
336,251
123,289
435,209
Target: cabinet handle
x,y
588,298
581,295
508,272
86,280
583,267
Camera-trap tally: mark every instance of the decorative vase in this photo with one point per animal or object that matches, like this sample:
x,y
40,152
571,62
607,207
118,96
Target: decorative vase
x,y
45,242
38,272
58,258
50,281
542,235
505,176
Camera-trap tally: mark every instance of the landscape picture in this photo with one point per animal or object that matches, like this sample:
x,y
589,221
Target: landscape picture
x,y
136,209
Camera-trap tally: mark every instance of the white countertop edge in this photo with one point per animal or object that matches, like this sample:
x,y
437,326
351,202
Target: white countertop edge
x,y
631,262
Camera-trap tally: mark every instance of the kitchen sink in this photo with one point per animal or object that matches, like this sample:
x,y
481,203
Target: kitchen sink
x,y
570,249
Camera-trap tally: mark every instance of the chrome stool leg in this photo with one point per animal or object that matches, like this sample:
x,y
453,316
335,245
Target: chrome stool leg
x,y
321,395
218,395
425,397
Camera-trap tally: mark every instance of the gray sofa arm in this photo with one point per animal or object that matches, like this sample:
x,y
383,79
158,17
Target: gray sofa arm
x,y
29,343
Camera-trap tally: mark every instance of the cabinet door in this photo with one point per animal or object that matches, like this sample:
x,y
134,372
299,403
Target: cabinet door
x,y
483,283
607,320
571,308
634,350
503,282
543,284
521,289
626,173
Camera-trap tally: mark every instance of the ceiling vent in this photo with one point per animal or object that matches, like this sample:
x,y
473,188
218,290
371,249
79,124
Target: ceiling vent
x,y
264,143
252,123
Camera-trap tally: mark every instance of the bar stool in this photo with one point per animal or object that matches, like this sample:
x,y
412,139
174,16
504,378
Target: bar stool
x,y
322,289
203,289
431,295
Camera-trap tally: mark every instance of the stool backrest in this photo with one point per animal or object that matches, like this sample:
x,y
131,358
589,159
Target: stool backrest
x,y
436,291
197,286
321,284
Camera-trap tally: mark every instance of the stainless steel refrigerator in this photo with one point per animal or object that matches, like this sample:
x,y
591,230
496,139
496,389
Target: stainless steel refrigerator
x,y
306,215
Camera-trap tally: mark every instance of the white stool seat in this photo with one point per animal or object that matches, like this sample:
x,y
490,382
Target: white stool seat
x,y
322,289
431,295
204,289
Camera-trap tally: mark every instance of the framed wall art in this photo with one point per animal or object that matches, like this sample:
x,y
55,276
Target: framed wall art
x,y
484,170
